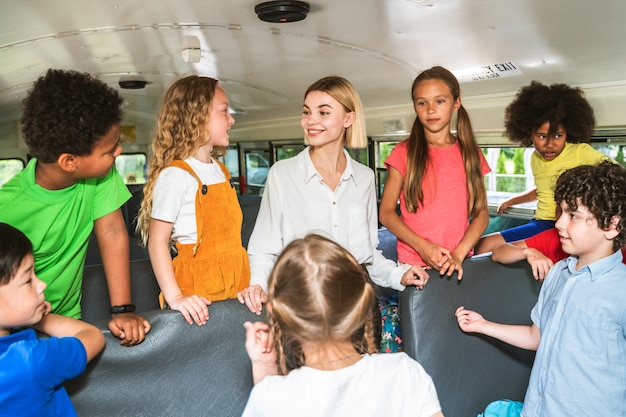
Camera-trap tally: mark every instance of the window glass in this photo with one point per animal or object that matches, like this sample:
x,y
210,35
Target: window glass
x,y
8,168
288,151
132,167
359,155
257,167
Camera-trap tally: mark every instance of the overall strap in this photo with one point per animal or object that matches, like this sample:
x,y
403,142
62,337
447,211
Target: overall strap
x,y
179,163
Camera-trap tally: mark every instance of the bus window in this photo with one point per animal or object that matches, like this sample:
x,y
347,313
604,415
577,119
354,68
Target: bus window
x,y
257,167
288,151
10,167
132,167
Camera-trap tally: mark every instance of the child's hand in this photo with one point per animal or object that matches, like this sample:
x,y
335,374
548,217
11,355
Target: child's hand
x,y
47,308
469,321
504,206
260,348
434,255
193,308
539,263
130,328
415,275
253,297
453,263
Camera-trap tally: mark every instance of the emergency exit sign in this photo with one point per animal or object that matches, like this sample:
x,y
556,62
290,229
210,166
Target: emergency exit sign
x,y
488,72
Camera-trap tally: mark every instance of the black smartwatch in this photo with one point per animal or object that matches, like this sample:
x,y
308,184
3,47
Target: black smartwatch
x,y
126,308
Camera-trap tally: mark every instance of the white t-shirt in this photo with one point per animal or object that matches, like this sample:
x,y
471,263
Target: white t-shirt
x,y
390,384
174,197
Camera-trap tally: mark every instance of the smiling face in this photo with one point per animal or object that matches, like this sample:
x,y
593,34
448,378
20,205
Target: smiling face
x,y
324,120
434,105
580,234
549,147
22,299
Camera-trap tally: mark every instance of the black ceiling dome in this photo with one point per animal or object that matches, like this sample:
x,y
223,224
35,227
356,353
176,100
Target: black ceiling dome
x,y
282,11
132,84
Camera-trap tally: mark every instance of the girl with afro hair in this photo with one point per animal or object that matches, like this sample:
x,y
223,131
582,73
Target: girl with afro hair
x,y
558,122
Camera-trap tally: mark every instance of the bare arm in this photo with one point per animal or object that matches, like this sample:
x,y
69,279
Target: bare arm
x,y
517,251
193,307
112,239
260,348
433,255
522,336
525,197
60,326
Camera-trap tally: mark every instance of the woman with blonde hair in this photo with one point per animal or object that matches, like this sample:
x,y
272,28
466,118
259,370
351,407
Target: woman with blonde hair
x,y
323,189
189,200
317,356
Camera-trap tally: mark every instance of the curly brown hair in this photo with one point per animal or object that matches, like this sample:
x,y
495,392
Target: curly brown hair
x,y
68,112
558,104
601,189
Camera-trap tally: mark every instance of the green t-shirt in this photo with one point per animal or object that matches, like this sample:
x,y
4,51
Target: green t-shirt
x,y
59,224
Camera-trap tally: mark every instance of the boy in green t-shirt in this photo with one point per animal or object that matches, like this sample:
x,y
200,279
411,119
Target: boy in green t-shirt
x,y
71,124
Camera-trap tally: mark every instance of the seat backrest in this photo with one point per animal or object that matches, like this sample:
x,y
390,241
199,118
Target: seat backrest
x,y
179,370
470,371
95,303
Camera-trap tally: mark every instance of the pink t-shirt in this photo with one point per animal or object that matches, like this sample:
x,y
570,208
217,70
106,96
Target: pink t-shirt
x,y
443,218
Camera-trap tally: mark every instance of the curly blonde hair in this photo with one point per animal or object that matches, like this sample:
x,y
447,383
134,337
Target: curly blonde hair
x,y
182,127
318,293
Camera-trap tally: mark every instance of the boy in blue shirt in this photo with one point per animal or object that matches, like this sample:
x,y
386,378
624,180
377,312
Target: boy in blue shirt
x,y
71,124
33,369
579,322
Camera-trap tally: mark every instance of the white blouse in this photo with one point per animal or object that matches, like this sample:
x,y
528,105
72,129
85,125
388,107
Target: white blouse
x,y
296,202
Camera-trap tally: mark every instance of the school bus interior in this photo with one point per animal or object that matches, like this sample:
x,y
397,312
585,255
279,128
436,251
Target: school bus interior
x,y
139,47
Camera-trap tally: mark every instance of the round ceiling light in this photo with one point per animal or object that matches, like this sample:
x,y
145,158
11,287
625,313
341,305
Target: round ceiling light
x,y
282,11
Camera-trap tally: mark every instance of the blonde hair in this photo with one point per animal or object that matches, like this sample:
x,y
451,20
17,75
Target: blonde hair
x,y
318,293
417,158
344,92
182,127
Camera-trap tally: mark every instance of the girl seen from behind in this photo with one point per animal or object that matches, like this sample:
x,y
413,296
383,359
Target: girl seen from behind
x,y
317,356
438,178
189,200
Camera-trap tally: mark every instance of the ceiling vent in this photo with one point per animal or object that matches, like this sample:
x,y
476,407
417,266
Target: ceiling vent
x,y
282,11
132,84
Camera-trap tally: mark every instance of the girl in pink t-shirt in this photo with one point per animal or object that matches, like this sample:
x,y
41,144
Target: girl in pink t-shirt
x,y
438,178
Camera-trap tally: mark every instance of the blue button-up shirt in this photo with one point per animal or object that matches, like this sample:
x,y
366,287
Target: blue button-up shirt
x,y
580,366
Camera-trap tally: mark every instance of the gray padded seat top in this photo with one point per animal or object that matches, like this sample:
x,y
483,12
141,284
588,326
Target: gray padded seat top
x,y
179,370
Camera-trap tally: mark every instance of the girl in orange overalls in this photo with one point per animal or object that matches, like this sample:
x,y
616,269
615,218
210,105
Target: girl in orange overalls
x,y
190,201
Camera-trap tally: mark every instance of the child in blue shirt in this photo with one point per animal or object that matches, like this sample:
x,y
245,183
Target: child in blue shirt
x,y
579,322
33,369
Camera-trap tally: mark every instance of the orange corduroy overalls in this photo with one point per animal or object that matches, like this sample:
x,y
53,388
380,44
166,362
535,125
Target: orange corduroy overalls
x,y
216,266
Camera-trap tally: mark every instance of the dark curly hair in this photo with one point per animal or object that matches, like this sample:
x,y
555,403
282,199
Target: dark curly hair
x,y
68,112
601,189
558,104
14,247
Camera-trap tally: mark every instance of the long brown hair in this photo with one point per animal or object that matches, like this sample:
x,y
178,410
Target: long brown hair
x,y
418,161
182,127
318,293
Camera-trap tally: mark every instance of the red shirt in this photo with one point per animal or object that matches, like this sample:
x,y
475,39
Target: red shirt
x,y
548,243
